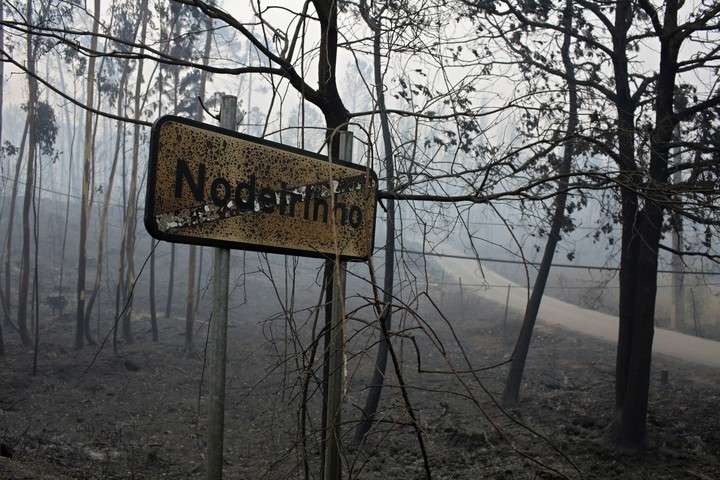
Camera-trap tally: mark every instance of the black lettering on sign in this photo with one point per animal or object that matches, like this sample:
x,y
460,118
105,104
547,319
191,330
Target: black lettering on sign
x,y
294,198
282,205
246,189
306,202
220,192
319,202
248,196
343,213
266,198
182,171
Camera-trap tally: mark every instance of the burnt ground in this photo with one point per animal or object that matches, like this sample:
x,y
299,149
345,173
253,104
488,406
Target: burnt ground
x,y
140,415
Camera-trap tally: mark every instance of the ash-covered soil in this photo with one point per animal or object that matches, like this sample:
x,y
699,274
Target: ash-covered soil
x,y
141,414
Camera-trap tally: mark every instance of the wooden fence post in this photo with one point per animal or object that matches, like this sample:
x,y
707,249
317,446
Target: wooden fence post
x,y
507,307
462,299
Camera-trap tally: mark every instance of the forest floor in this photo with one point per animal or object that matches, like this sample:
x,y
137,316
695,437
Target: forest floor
x,y
140,415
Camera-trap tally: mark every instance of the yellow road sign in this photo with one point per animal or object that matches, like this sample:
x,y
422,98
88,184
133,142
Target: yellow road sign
x,y
211,186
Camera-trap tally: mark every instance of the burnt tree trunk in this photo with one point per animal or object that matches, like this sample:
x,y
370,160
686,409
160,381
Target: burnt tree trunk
x,y
336,119
638,285
29,183
81,324
120,287
10,224
174,23
192,256
511,393
71,156
385,319
131,215
108,196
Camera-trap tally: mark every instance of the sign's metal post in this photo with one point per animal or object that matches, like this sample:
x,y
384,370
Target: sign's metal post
x,y
218,331
336,355
213,186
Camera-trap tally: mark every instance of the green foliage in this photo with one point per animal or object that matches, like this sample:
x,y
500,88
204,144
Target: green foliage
x,y
46,127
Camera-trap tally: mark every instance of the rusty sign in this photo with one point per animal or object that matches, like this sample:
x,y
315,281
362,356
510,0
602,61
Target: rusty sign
x,y
211,186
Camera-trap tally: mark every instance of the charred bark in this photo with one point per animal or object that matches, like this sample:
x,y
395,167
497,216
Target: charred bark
x,y
191,299
131,215
385,319
80,326
29,185
10,224
511,393
106,200
640,247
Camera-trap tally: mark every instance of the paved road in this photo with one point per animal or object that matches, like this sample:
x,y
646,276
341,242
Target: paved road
x,y
572,317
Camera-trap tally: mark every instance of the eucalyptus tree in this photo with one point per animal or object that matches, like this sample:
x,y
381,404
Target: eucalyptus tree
x,y
390,24
559,217
76,63
37,19
113,85
191,297
10,152
130,222
179,32
31,105
637,139
88,165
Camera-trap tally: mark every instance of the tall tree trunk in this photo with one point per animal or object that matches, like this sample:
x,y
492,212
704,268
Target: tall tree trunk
x,y
174,23
91,199
153,276
336,119
511,393
69,180
120,288
88,153
29,177
638,287
120,293
190,296
629,211
153,308
36,277
131,217
677,315
108,196
198,284
378,378
171,282
11,223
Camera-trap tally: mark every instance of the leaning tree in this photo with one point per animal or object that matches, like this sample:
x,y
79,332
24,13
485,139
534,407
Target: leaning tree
x,y
632,124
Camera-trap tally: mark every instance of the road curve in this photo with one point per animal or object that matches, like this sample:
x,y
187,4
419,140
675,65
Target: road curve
x,y
581,320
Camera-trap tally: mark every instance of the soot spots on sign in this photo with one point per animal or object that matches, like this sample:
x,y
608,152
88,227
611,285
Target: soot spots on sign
x,y
215,187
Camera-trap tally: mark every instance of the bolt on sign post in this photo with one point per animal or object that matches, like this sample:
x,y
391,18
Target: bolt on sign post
x,y
215,187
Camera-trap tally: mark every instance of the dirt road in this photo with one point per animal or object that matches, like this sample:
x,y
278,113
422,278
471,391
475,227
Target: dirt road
x,y
588,322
